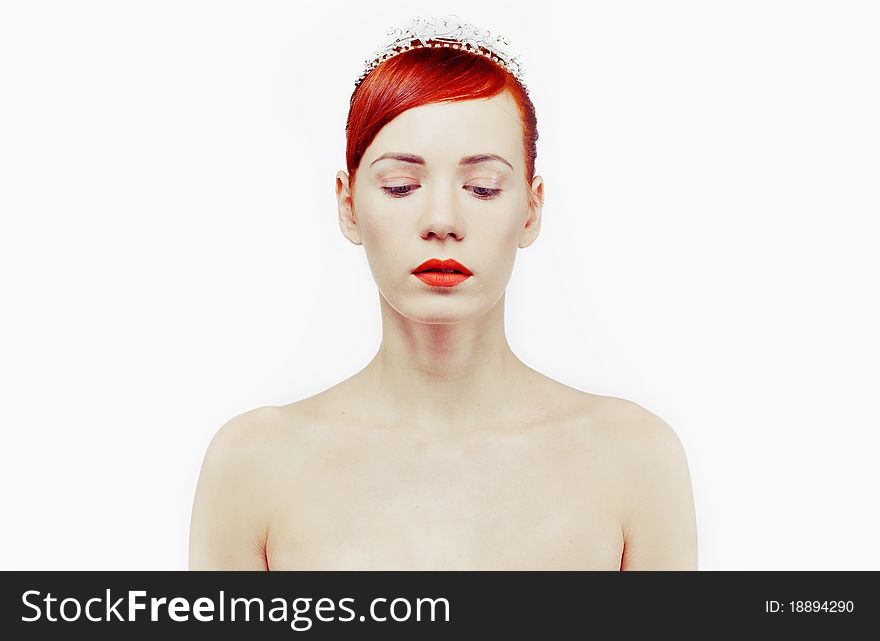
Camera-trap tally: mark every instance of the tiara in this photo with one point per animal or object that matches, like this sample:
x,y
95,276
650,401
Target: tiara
x,y
446,32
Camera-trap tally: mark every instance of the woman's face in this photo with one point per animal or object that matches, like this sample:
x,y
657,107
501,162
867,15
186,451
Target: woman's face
x,y
444,181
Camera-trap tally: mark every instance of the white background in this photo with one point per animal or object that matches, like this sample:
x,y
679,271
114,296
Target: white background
x,y
170,254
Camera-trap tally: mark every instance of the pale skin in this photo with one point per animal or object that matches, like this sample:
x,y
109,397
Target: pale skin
x,y
445,451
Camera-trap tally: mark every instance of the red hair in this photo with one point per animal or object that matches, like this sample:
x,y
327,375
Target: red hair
x,y
427,75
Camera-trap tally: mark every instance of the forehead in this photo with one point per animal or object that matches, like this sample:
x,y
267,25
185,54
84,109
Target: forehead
x,y
447,131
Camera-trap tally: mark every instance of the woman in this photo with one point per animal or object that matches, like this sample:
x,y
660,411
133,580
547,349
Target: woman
x,y
445,451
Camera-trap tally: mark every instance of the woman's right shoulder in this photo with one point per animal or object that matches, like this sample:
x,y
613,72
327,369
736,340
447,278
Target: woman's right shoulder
x,y
269,429
263,428
249,427
232,504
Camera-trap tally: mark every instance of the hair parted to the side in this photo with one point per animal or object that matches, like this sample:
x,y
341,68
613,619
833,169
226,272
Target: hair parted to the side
x,y
428,75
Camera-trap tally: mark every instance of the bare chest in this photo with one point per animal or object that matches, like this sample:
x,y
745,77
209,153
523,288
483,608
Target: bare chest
x,y
494,505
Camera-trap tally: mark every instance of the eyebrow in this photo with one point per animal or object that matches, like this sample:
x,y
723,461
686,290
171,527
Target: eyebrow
x,y
418,160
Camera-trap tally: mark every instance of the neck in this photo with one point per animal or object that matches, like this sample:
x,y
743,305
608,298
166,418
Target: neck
x,y
442,377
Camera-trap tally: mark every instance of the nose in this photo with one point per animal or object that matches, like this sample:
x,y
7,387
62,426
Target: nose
x,y
441,218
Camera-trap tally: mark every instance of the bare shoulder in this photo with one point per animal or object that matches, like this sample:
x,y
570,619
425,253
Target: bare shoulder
x,y
229,519
244,448
658,515
247,436
639,433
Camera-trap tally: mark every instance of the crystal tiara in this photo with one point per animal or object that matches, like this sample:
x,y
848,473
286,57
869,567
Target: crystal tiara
x,y
446,32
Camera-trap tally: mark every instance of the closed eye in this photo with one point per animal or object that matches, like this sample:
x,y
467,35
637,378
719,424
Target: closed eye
x,y
401,191
398,191
485,193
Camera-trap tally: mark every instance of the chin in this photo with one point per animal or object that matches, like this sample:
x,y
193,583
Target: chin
x,y
440,309
433,314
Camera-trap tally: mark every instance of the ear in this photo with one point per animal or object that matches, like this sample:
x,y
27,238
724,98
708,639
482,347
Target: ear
x,y
533,223
347,219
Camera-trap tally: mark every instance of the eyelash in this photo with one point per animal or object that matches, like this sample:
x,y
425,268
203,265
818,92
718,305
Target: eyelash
x,y
492,193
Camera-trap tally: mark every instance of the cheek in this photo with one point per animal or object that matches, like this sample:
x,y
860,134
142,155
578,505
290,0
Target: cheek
x,y
509,244
383,238
378,237
503,236
376,227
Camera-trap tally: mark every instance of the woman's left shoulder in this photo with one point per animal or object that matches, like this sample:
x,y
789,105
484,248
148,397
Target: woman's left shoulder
x,y
627,422
657,508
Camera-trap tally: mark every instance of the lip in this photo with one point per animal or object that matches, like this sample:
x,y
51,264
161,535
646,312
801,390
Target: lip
x,y
439,278
449,263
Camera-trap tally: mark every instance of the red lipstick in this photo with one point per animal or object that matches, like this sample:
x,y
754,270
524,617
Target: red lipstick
x,y
442,273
